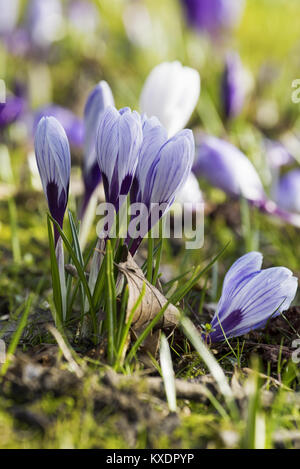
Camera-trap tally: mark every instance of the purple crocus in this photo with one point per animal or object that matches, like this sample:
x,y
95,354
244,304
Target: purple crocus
x,y
287,192
119,140
72,125
226,167
163,168
251,296
11,110
233,86
99,99
52,153
213,16
44,22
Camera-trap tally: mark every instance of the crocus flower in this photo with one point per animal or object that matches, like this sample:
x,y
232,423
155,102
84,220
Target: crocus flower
x,y
233,89
9,15
11,110
251,296
119,140
54,163
170,93
213,16
287,193
226,167
99,99
163,168
72,125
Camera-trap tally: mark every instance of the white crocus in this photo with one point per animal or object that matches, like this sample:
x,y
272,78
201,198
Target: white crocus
x,y
170,93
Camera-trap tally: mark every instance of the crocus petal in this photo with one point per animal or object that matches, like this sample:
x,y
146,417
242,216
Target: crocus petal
x,y
54,163
190,192
119,140
161,173
99,99
170,93
250,298
227,168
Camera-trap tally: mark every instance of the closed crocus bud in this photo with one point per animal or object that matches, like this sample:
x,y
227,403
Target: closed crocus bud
x,y
11,110
119,140
72,125
163,169
251,296
170,93
99,99
52,153
213,16
227,168
287,193
233,87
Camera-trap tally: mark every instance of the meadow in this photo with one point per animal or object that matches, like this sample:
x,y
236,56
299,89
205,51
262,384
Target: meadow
x,y
132,342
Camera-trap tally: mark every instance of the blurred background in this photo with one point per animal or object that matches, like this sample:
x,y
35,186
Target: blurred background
x,y
53,52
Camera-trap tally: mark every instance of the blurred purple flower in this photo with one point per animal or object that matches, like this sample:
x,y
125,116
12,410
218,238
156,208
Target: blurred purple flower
x,y
163,168
9,16
11,110
99,99
251,296
119,140
44,21
226,167
213,16
287,193
277,154
72,125
233,88
83,16
54,163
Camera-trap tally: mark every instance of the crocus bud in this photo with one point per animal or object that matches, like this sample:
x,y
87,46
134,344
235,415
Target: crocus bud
x,y
287,193
213,16
251,296
170,93
52,153
233,86
227,168
163,168
72,125
119,140
11,110
99,99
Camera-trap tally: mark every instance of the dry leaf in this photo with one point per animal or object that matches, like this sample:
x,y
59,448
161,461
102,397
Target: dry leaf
x,y
152,302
